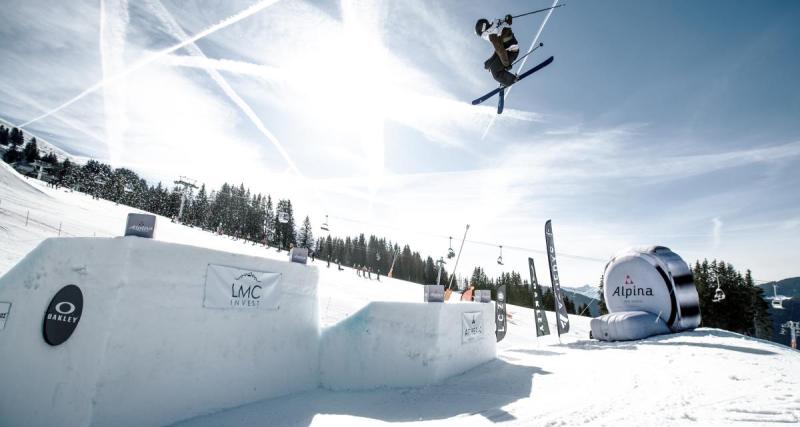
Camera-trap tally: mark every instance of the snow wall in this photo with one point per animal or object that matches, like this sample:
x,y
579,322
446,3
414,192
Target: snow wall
x,y
151,345
651,280
406,344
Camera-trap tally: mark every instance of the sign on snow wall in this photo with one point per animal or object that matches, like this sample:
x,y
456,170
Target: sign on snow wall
x,y
106,328
231,287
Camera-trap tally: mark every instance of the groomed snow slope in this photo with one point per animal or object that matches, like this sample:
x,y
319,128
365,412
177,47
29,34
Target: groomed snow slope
x,y
705,377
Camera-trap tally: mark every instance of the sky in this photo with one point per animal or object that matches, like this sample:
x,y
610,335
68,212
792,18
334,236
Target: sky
x,y
658,123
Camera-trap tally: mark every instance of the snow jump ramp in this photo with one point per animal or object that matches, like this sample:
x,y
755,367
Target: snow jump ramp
x,y
406,344
132,331
149,333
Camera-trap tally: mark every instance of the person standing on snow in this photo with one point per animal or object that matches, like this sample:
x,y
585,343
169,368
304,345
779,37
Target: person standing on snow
x,y
506,48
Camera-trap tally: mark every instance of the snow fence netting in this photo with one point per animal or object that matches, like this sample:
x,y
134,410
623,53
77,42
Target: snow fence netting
x,y
651,280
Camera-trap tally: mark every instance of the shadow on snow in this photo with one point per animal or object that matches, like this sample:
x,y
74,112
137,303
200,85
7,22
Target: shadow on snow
x,y
668,340
482,390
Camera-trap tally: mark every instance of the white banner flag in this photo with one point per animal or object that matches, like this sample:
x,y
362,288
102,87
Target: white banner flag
x,y
472,326
230,287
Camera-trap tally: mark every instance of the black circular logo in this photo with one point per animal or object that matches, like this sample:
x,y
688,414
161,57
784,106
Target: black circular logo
x,y
62,315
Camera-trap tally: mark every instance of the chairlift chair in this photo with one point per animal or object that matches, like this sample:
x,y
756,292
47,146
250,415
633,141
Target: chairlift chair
x,y
324,226
450,252
718,294
777,300
500,258
283,218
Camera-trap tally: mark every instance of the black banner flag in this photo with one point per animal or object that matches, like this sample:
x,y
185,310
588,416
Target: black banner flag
x,y
542,328
561,310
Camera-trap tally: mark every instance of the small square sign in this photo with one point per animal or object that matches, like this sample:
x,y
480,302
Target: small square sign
x,y
141,225
5,309
434,293
300,255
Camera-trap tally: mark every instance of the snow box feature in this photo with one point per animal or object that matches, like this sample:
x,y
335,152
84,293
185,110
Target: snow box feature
x,y
406,344
161,338
651,280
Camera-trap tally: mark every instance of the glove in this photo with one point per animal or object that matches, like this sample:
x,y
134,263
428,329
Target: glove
x,y
508,19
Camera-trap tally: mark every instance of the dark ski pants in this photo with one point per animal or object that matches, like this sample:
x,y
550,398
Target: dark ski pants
x,y
499,72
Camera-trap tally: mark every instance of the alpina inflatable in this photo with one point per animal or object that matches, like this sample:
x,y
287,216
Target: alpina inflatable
x,y
648,291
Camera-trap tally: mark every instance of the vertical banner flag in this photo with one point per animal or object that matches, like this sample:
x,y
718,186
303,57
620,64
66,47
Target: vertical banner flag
x,y
500,313
542,328
561,310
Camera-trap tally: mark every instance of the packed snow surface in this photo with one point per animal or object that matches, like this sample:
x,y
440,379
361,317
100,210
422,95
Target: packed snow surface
x,y
703,377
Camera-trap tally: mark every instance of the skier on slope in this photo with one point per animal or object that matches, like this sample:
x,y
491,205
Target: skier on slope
x,y
506,48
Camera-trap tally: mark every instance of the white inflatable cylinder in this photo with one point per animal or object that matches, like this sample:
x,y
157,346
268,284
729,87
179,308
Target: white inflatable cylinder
x,y
627,325
654,280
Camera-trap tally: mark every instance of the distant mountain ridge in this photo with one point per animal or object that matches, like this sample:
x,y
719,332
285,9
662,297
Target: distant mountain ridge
x,y
789,287
585,290
586,294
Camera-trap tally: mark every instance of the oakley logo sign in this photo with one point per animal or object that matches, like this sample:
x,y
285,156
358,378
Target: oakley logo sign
x,y
62,315
65,307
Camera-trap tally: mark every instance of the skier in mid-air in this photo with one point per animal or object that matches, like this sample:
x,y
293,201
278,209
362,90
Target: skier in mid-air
x,y
506,48
506,52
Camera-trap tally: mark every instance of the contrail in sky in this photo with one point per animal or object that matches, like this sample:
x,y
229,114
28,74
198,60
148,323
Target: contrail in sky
x,y
252,10
178,33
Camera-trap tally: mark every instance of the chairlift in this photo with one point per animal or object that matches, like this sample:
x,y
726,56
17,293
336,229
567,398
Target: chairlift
x,y
777,300
450,252
500,258
324,226
283,218
718,294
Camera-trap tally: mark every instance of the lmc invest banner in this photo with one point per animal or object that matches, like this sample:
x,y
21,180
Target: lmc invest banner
x,y
231,287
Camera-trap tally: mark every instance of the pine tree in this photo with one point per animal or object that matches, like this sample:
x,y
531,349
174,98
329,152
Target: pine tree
x,y
285,231
306,235
549,299
16,138
743,310
12,155
4,137
601,296
31,151
568,304
50,158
